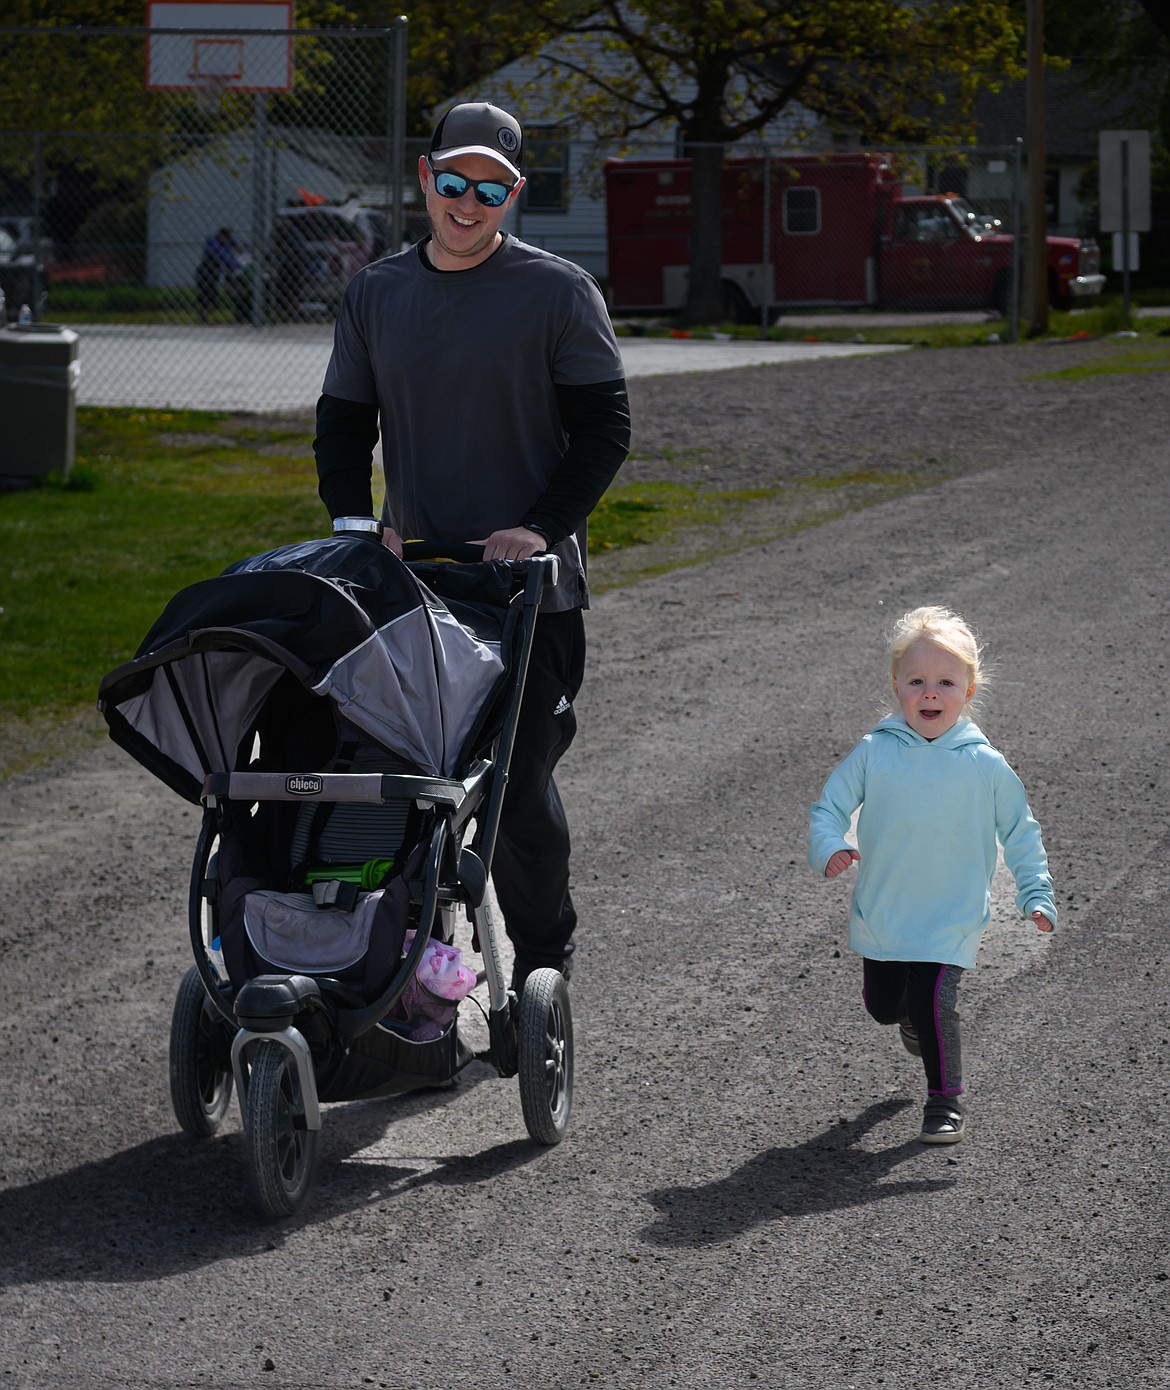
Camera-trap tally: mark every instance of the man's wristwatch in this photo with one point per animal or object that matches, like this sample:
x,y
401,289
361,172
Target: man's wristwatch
x,y
357,525
539,531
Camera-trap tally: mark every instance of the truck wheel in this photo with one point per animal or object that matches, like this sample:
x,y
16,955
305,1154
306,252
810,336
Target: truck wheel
x,y
1055,298
736,308
1001,294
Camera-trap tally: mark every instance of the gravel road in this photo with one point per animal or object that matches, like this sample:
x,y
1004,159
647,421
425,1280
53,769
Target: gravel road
x,y
740,1198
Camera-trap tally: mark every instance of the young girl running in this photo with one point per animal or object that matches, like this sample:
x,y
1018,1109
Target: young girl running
x,y
934,796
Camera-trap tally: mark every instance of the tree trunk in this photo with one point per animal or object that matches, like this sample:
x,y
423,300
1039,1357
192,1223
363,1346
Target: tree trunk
x,y
704,291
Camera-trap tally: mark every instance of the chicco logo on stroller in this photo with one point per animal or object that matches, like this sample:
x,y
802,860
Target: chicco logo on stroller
x,y
303,786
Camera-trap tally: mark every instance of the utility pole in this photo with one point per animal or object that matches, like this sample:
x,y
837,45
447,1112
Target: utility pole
x,y
1037,213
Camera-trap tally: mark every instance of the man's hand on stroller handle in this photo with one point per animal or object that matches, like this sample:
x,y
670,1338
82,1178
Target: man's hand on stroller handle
x,y
510,543
513,543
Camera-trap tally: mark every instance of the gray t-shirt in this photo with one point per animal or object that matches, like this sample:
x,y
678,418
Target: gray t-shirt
x,y
463,367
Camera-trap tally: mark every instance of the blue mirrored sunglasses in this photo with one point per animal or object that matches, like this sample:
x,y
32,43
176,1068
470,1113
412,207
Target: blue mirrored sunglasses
x,y
487,191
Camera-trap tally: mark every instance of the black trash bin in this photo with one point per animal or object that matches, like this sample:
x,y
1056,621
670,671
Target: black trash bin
x,y
38,402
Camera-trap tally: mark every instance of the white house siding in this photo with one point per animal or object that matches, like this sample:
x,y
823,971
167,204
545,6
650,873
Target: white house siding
x,y
578,233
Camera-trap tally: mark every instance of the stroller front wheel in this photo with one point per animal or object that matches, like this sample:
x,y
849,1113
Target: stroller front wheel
x,y
282,1151
201,1077
546,1056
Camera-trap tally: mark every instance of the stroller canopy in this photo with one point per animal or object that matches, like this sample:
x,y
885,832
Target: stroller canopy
x,y
348,620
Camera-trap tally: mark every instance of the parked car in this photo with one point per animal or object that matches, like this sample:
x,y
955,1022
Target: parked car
x,y
316,251
22,229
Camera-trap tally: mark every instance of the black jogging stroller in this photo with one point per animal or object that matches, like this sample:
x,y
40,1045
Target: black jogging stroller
x,y
346,721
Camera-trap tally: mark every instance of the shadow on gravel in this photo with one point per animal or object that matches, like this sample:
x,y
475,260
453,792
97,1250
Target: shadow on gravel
x,y
825,1173
174,1204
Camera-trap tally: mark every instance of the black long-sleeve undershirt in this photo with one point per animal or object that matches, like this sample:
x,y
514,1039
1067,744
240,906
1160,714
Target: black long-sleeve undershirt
x,y
344,447
596,419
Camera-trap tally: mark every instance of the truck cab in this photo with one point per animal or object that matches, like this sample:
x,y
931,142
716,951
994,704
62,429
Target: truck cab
x,y
937,251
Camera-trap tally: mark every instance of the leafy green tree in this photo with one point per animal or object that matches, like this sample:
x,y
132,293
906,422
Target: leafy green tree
x,y
453,45
1119,49
61,81
719,71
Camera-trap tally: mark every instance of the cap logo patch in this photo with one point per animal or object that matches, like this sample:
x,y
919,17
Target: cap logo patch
x,y
507,140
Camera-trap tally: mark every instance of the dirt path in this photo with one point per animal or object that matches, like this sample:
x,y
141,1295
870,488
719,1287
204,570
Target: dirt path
x,y
740,1198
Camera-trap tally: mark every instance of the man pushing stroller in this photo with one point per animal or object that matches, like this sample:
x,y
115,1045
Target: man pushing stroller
x,y
492,370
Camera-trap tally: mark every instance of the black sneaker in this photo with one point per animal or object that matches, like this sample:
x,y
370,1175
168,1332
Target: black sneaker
x,y
942,1120
910,1040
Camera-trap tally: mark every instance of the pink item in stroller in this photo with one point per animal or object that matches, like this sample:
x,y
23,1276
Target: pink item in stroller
x,y
429,1002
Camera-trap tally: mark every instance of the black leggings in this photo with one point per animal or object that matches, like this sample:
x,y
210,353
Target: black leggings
x,y
925,995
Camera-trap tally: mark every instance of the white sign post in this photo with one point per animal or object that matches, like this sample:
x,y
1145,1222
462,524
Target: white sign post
x,y
1126,251
1124,157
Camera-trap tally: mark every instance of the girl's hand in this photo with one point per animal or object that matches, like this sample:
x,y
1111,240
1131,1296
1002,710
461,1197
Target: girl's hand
x,y
1042,922
841,861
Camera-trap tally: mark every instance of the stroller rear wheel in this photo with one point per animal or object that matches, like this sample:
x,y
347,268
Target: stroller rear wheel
x,y
201,1077
546,1056
282,1152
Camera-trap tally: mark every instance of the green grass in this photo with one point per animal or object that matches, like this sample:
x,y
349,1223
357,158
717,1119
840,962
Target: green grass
x,y
1103,318
932,335
648,528
1141,357
157,500
633,514
125,303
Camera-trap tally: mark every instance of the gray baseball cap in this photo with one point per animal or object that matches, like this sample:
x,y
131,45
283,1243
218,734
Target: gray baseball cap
x,y
478,127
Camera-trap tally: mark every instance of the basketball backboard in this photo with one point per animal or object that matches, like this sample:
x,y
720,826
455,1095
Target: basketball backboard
x,y
226,45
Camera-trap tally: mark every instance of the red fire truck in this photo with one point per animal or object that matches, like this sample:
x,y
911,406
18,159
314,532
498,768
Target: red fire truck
x,y
840,232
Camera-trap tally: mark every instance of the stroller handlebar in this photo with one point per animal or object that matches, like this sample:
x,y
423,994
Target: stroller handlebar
x,y
354,788
464,553
457,552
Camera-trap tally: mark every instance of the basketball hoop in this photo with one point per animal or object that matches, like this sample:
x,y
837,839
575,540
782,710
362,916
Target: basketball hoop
x,y
208,89
209,46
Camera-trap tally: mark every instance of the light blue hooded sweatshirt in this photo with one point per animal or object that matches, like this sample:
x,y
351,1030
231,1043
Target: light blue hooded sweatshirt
x,y
931,813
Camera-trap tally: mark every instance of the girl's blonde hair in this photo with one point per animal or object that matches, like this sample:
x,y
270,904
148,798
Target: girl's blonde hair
x,y
946,630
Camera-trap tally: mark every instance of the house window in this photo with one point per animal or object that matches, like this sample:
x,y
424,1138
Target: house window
x,y
546,167
802,211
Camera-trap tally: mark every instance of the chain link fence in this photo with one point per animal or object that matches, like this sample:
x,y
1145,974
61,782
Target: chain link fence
x,y
199,241
201,215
